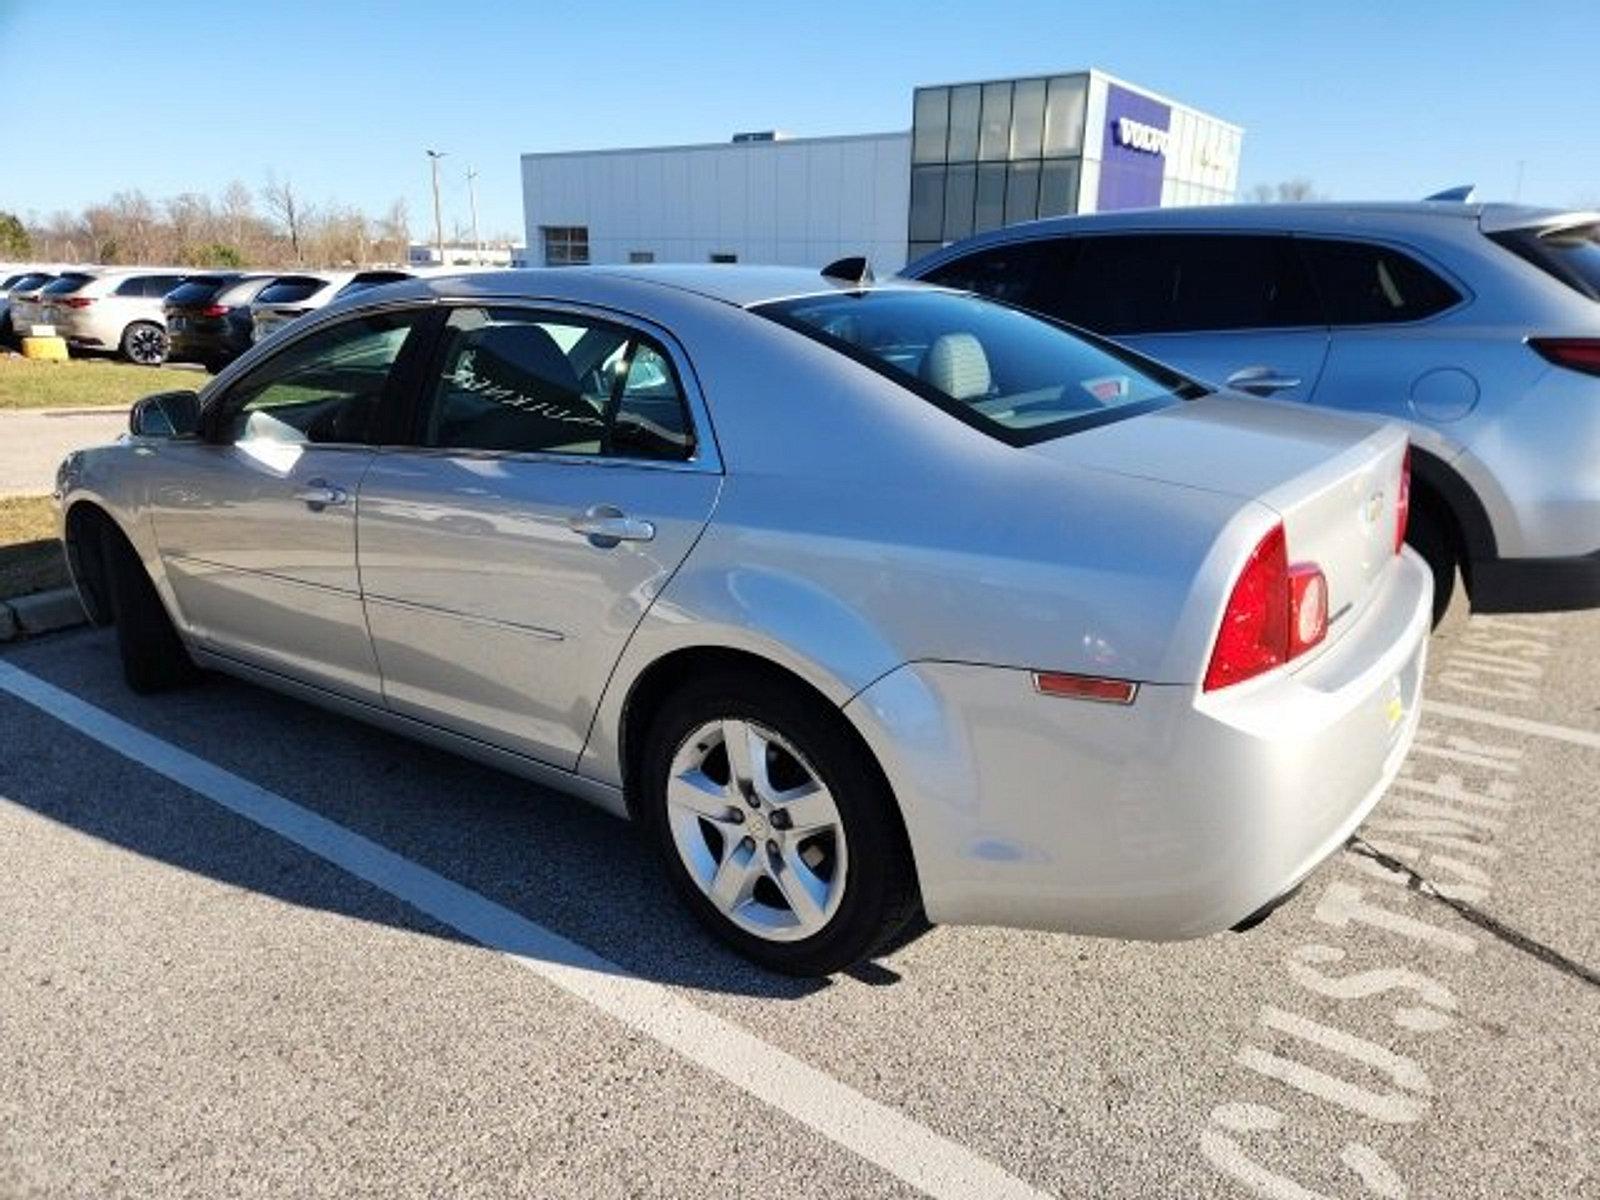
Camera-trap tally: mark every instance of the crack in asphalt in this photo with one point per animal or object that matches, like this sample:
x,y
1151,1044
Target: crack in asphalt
x,y
1423,886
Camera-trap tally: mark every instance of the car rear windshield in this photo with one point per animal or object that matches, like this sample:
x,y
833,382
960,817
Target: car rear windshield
x,y
371,280
291,290
1015,376
196,291
27,282
1570,255
65,285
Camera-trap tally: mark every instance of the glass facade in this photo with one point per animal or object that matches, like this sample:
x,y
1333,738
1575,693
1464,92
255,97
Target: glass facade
x,y
985,155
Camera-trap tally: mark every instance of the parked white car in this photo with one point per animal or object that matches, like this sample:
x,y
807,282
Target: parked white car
x,y
117,309
290,297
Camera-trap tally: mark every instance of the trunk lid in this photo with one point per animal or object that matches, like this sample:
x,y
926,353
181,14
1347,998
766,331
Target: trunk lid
x,y
1333,478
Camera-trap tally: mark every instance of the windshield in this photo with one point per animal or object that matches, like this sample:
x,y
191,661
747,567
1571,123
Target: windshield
x,y
1018,377
291,290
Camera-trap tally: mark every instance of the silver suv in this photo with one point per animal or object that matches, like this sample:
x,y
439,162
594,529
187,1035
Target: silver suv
x,y
1477,326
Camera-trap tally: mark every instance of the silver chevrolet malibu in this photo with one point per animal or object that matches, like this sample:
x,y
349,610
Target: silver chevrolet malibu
x,y
859,599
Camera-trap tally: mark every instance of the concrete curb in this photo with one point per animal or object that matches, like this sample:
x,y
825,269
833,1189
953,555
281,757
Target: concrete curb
x,y
42,612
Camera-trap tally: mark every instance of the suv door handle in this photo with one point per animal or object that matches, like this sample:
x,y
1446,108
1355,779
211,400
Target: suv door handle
x,y
1261,381
318,494
606,526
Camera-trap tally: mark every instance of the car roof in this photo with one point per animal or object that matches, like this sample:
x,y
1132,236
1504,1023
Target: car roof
x,y
742,286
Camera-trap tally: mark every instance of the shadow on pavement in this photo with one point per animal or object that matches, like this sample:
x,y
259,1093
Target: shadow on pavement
x,y
549,858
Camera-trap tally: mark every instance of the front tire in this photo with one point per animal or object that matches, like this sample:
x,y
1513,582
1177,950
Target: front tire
x,y
775,825
153,656
144,343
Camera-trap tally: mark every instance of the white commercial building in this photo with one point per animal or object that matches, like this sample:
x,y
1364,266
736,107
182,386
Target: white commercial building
x,y
978,156
760,199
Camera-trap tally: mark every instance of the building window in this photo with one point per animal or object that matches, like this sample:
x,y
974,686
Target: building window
x,y
724,258
565,245
641,256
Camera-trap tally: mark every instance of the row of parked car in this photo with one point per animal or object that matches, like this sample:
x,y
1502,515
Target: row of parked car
x,y
152,315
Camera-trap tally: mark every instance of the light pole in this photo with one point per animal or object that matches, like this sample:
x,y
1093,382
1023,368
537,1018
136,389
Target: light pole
x,y
472,198
438,219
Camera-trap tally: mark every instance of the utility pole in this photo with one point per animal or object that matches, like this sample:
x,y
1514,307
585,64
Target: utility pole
x,y
438,219
472,197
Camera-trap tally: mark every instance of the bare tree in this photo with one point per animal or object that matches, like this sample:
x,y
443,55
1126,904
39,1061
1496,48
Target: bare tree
x,y
394,233
285,207
238,215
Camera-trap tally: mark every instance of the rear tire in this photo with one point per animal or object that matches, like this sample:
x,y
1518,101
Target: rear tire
x,y
153,656
858,880
1429,535
144,343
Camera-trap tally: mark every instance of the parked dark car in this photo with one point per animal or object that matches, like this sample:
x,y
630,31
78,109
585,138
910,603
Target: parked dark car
x,y
208,318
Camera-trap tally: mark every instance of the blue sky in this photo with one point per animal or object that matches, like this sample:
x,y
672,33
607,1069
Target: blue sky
x,y
1365,99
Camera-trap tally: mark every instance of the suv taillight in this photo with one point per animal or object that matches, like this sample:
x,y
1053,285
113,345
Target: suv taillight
x,y
78,301
214,310
1275,613
1576,354
1402,503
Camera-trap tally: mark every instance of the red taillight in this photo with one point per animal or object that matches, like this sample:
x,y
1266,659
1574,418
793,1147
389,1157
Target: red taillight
x,y
214,310
1275,613
1255,626
1577,354
1402,503
78,301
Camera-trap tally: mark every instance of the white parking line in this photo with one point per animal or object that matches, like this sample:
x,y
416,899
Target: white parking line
x,y
876,1132
1483,716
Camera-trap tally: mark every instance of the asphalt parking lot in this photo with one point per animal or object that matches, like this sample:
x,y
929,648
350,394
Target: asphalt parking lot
x,y
250,948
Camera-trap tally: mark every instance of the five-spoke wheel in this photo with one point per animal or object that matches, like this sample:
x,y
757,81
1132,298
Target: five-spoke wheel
x,y
775,823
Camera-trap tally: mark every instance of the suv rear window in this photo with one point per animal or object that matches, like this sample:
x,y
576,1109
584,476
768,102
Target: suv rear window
x,y
1570,255
1017,377
196,291
28,282
372,279
1365,284
291,290
65,285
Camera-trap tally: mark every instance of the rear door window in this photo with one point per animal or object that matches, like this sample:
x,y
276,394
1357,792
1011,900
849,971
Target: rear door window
x,y
1181,283
1366,284
523,382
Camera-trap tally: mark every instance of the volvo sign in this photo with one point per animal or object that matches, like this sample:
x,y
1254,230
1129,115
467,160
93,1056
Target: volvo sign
x,y
1136,135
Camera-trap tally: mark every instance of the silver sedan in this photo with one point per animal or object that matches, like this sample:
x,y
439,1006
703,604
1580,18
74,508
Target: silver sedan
x,y
861,600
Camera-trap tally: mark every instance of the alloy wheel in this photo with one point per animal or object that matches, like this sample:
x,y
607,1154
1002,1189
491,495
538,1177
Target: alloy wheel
x,y
147,346
757,829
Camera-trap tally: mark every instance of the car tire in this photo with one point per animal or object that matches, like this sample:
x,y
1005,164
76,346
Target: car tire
x,y
1429,535
154,657
853,881
144,343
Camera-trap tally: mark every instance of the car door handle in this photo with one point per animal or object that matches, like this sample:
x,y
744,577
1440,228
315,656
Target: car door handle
x,y
318,494
606,526
1261,381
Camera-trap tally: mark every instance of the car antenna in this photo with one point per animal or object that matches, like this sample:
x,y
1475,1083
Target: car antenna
x,y
1459,195
855,269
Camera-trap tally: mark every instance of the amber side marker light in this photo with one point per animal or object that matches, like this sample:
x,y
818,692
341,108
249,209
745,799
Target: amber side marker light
x,y
1085,687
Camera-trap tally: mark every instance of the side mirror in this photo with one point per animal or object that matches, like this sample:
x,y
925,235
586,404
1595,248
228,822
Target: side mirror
x,y
166,415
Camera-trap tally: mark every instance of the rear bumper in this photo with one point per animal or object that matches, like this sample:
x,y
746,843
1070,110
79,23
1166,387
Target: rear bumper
x,y
1180,815
1501,585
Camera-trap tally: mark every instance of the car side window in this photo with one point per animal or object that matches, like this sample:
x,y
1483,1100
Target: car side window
x,y
324,388
1365,284
520,381
1027,274
1180,283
